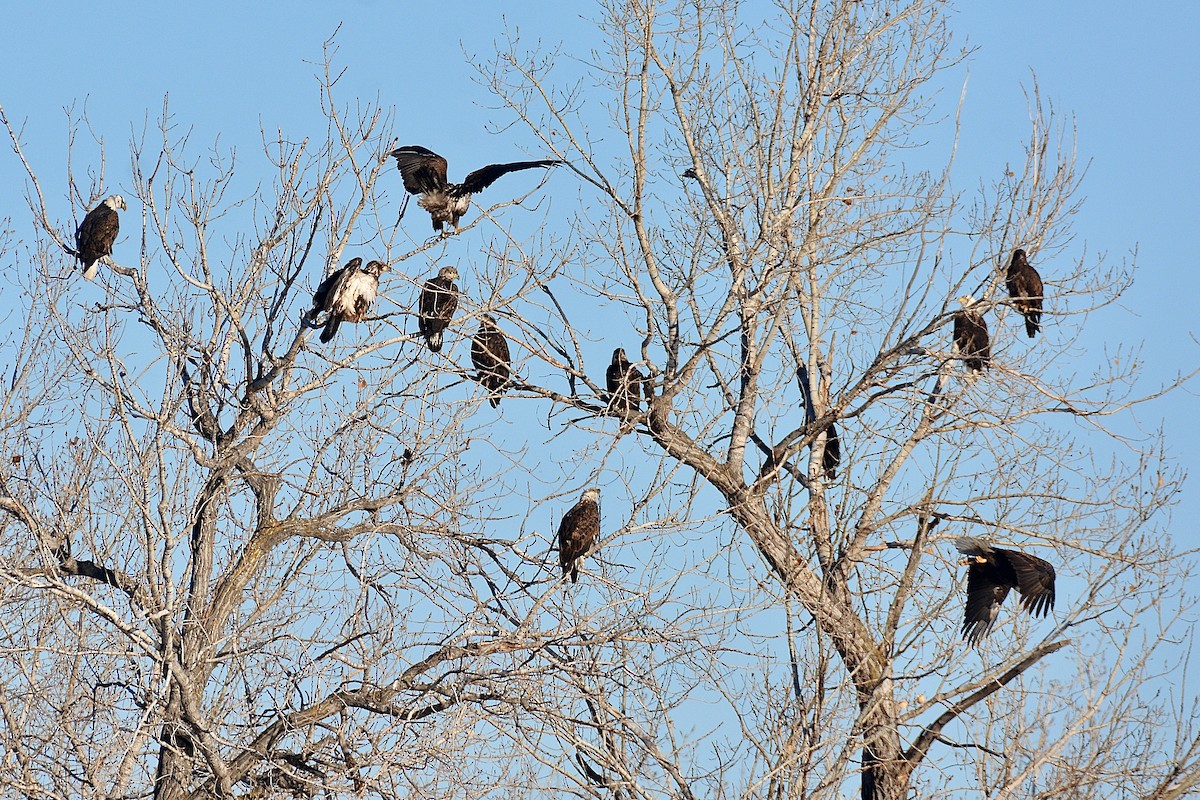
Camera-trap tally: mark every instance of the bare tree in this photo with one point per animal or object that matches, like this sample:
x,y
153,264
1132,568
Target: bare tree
x,y
243,563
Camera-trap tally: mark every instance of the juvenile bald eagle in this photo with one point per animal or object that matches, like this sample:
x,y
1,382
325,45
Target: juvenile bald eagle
x,y
347,294
439,301
95,235
1025,289
971,336
424,173
489,354
993,572
626,384
578,532
831,456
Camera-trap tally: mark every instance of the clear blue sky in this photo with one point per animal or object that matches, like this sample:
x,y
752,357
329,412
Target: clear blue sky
x,y
1127,72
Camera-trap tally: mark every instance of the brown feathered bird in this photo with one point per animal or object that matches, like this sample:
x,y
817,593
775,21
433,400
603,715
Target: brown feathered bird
x,y
439,301
993,572
347,294
626,384
1025,289
971,336
578,532
424,173
831,456
489,354
95,235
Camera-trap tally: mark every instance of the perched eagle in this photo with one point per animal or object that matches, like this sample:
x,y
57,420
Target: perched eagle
x,y
439,301
1025,289
971,336
347,294
95,235
578,532
831,458
424,173
626,384
489,354
993,572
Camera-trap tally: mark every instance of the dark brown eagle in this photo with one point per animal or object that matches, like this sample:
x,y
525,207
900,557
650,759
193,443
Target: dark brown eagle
x,y
347,294
626,384
831,456
489,354
424,173
95,235
578,532
971,336
439,301
993,572
1025,289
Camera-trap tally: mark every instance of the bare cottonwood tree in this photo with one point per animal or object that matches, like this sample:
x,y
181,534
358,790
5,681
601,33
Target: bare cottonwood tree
x,y
238,562
767,226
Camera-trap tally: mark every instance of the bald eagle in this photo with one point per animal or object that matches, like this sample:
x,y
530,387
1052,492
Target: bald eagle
x,y
993,572
424,173
625,384
1025,289
347,294
439,301
971,336
95,235
578,532
489,354
831,457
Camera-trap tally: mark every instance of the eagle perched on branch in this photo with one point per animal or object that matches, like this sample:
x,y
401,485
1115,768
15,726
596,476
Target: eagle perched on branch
x,y
1025,289
626,384
435,309
424,173
971,336
993,571
95,235
489,354
578,532
347,294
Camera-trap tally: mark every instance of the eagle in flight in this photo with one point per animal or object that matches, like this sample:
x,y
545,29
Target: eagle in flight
x,y
971,336
435,309
578,532
489,354
424,173
1025,289
626,384
347,294
95,235
993,571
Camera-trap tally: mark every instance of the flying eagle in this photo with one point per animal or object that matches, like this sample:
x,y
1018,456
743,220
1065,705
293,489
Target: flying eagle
x,y
578,532
347,294
439,301
625,384
1025,289
489,354
95,235
971,336
831,457
424,173
993,572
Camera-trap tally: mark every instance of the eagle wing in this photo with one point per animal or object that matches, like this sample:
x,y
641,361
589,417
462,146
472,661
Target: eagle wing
x,y
329,288
422,169
484,177
986,590
832,457
95,235
1035,581
971,338
578,531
